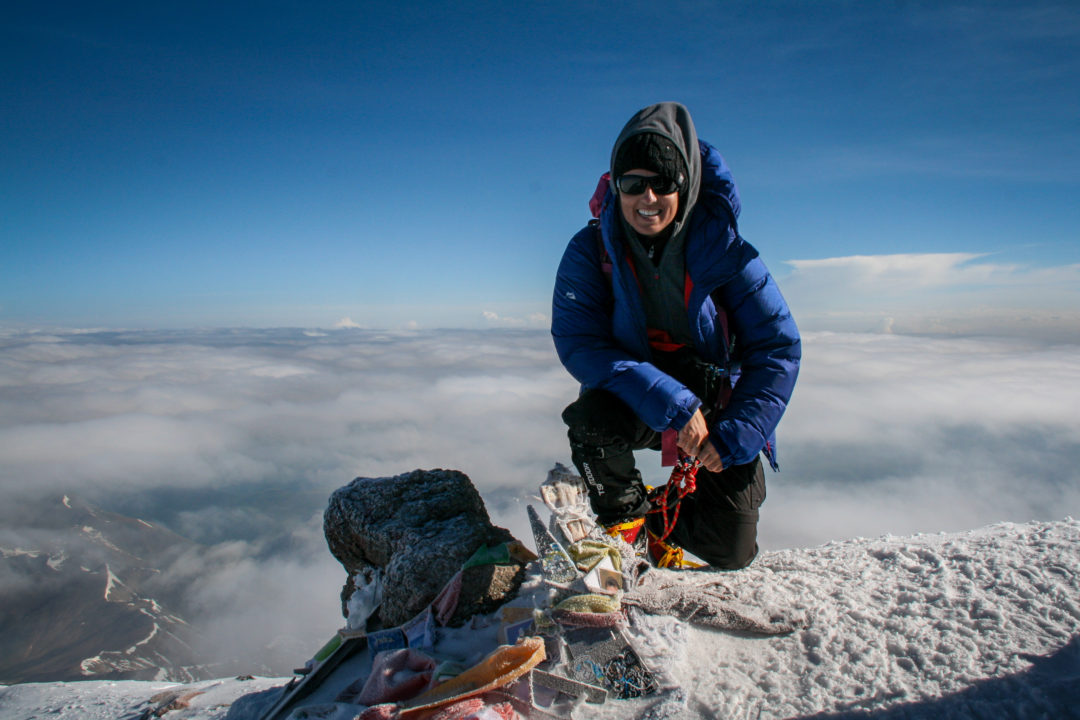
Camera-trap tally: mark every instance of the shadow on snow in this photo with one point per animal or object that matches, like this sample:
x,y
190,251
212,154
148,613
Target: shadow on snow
x,y
1050,688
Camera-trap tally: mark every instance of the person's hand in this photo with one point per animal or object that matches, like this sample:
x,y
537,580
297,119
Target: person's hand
x,y
694,441
710,458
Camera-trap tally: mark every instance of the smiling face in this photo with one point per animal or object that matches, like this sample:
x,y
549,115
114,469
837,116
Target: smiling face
x,y
648,213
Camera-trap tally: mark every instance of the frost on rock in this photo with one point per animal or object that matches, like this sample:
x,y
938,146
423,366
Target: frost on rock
x,y
366,598
416,529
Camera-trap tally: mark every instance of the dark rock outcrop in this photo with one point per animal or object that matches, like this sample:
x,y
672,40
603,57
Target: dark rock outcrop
x,y
417,528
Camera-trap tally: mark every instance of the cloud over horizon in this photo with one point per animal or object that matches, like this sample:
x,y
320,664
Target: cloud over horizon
x,y
936,293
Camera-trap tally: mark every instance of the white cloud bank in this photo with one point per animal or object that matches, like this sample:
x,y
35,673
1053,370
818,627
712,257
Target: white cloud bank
x,y
894,434
132,419
936,293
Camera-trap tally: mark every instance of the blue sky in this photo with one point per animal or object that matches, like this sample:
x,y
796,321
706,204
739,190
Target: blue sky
x,y
295,164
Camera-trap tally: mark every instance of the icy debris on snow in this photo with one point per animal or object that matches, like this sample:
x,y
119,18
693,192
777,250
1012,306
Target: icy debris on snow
x,y
565,495
703,600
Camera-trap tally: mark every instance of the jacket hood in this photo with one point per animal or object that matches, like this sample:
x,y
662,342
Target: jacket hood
x,y
672,121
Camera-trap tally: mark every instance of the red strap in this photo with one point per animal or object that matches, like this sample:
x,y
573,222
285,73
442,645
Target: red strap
x,y
669,448
596,203
662,341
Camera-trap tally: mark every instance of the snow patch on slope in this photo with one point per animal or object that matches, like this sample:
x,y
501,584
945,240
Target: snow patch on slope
x,y
96,536
6,553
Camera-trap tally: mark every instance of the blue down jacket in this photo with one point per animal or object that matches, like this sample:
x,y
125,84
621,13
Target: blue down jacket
x,y
598,323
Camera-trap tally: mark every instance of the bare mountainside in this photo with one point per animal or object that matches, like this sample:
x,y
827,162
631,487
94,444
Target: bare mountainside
x,y
76,601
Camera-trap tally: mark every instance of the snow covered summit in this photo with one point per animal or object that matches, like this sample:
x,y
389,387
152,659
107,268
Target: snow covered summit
x,y
983,624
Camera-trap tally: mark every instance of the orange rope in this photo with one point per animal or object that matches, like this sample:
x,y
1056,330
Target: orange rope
x,y
683,482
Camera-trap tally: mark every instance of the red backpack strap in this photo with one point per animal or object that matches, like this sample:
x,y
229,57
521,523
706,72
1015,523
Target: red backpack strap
x,y
596,203
596,206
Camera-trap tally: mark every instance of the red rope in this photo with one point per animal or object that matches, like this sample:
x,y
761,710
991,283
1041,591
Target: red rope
x,y
683,482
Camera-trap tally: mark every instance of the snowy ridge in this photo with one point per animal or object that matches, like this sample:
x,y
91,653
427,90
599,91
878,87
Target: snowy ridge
x,y
54,561
19,552
95,535
984,624
137,657
143,655
115,591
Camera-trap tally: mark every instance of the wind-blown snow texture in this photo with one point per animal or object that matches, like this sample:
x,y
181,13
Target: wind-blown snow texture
x,y
932,626
984,624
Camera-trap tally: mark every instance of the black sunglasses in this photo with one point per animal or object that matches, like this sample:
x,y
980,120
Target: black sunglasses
x,y
635,184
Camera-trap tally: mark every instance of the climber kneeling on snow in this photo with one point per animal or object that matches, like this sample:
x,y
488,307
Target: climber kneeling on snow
x,y
673,325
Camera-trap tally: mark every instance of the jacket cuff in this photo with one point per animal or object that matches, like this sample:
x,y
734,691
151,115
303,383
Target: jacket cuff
x,y
685,412
727,458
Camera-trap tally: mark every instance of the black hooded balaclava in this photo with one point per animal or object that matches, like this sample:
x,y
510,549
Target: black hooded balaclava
x,y
662,138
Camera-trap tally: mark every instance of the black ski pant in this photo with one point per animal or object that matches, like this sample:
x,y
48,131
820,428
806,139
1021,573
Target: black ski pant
x,y
717,523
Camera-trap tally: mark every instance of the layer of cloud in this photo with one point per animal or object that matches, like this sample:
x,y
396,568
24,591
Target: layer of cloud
x,y
117,417
937,293
532,320
237,438
893,434
222,435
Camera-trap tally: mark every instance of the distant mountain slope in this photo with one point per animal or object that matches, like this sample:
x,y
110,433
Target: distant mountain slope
x,y
72,604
